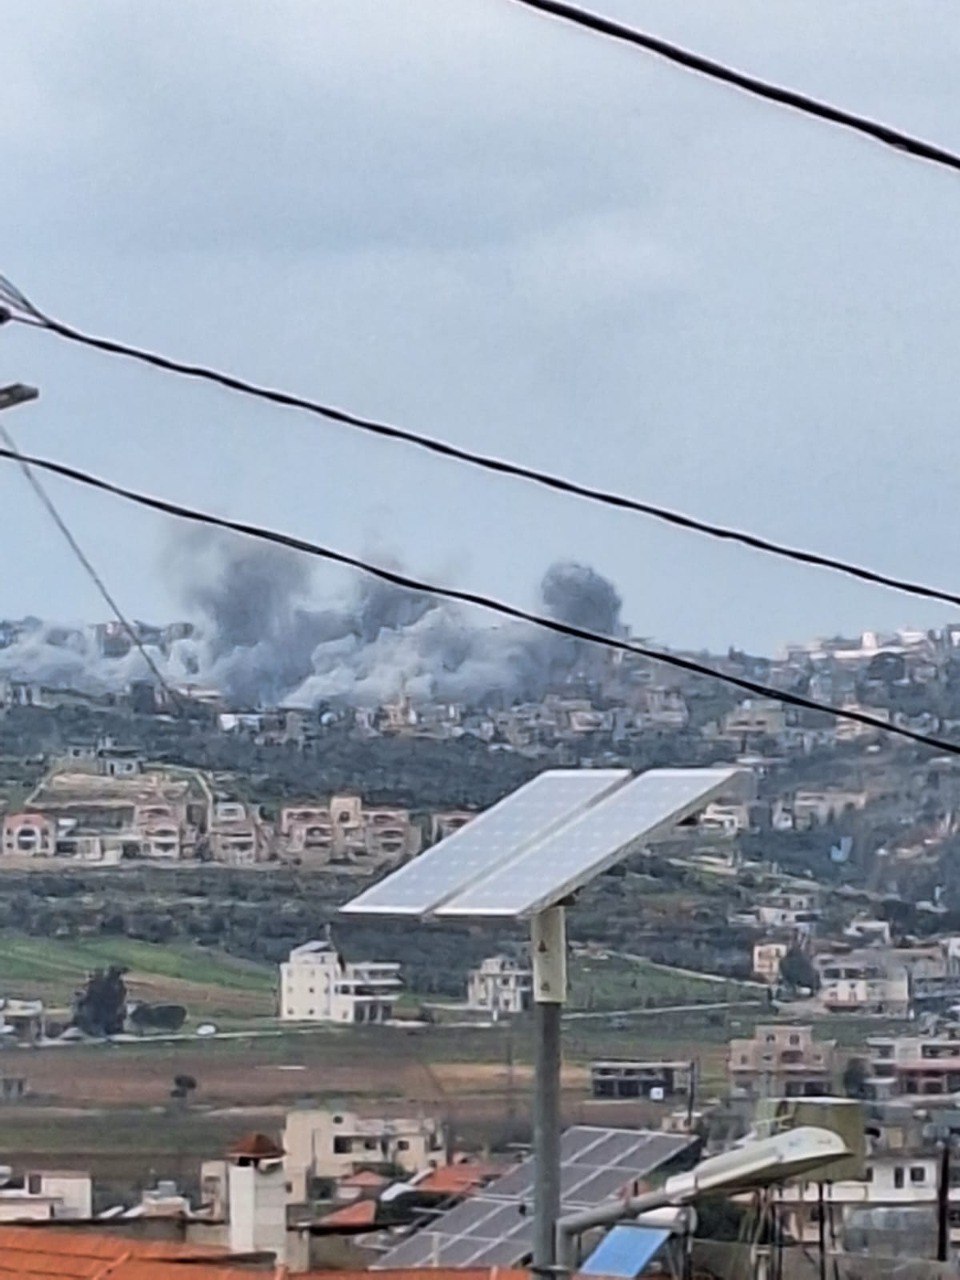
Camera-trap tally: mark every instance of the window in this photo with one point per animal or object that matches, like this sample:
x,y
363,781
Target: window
x,y
369,1144
898,1177
794,1039
403,1145
341,1146
918,1174
868,1176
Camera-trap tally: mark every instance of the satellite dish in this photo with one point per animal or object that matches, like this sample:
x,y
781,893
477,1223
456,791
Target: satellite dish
x,y
206,1029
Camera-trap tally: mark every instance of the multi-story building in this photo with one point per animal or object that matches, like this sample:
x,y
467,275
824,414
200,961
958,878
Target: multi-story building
x,y
755,718
29,835
928,1065
781,1061
866,981
500,986
445,824
238,836
318,985
766,960
344,831
615,1078
329,1145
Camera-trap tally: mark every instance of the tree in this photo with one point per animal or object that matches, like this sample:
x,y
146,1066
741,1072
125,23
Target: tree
x,y
100,1007
183,1086
855,1076
796,970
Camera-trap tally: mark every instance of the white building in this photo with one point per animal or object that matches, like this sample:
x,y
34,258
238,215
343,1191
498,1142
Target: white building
x,y
318,985
46,1194
500,985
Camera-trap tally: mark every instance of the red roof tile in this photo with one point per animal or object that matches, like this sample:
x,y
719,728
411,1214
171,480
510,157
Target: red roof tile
x,y
257,1146
458,1179
362,1213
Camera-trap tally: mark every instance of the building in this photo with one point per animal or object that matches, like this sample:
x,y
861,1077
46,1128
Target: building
x,y
446,823
819,808
726,819
866,981
318,985
500,986
344,831
926,1065
237,835
755,718
614,1078
781,1061
29,835
325,1146
24,1021
766,960
45,1195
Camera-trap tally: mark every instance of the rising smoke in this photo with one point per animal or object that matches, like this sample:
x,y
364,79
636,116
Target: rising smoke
x,y
259,637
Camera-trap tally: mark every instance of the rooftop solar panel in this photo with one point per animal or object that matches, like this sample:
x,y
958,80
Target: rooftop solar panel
x,y
495,837
496,1228
551,869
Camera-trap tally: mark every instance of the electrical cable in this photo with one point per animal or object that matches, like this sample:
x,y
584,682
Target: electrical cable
x,y
37,319
49,506
293,543
760,88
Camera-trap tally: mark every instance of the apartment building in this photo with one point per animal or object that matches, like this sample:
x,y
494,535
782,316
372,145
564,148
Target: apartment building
x,y
868,981
318,985
237,835
346,831
781,1061
627,1078
911,1065
329,1145
753,718
29,835
500,985
445,824
766,960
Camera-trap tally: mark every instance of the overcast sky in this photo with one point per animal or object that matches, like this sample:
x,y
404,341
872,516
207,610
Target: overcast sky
x,y
495,228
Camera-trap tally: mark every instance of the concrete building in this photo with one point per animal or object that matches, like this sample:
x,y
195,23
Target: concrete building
x,y
329,1145
766,960
46,1194
866,981
247,1193
755,718
318,985
500,986
23,1021
29,835
911,1065
615,1078
781,1061
237,835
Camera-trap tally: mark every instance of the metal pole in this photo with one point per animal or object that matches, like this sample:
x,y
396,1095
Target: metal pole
x,y
548,944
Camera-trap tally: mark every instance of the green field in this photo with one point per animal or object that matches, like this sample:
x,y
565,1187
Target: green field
x,y
55,967
618,983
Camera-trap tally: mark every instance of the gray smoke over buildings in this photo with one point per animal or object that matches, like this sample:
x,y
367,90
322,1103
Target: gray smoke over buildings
x,y
259,636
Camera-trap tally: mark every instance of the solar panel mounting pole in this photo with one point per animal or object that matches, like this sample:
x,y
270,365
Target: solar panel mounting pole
x,y
549,947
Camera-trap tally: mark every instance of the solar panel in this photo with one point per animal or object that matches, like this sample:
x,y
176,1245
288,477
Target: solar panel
x,y
495,837
496,1228
553,868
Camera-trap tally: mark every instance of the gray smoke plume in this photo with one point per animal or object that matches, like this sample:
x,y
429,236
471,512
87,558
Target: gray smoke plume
x,y
258,637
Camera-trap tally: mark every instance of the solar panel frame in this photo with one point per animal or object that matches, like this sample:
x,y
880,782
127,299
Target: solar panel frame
x,y
553,868
494,838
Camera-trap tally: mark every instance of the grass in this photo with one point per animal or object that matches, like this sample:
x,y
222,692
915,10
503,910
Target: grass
x,y
53,969
617,983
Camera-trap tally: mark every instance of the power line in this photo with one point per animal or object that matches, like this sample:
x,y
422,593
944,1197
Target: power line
x,y
293,543
13,451
784,97
500,466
